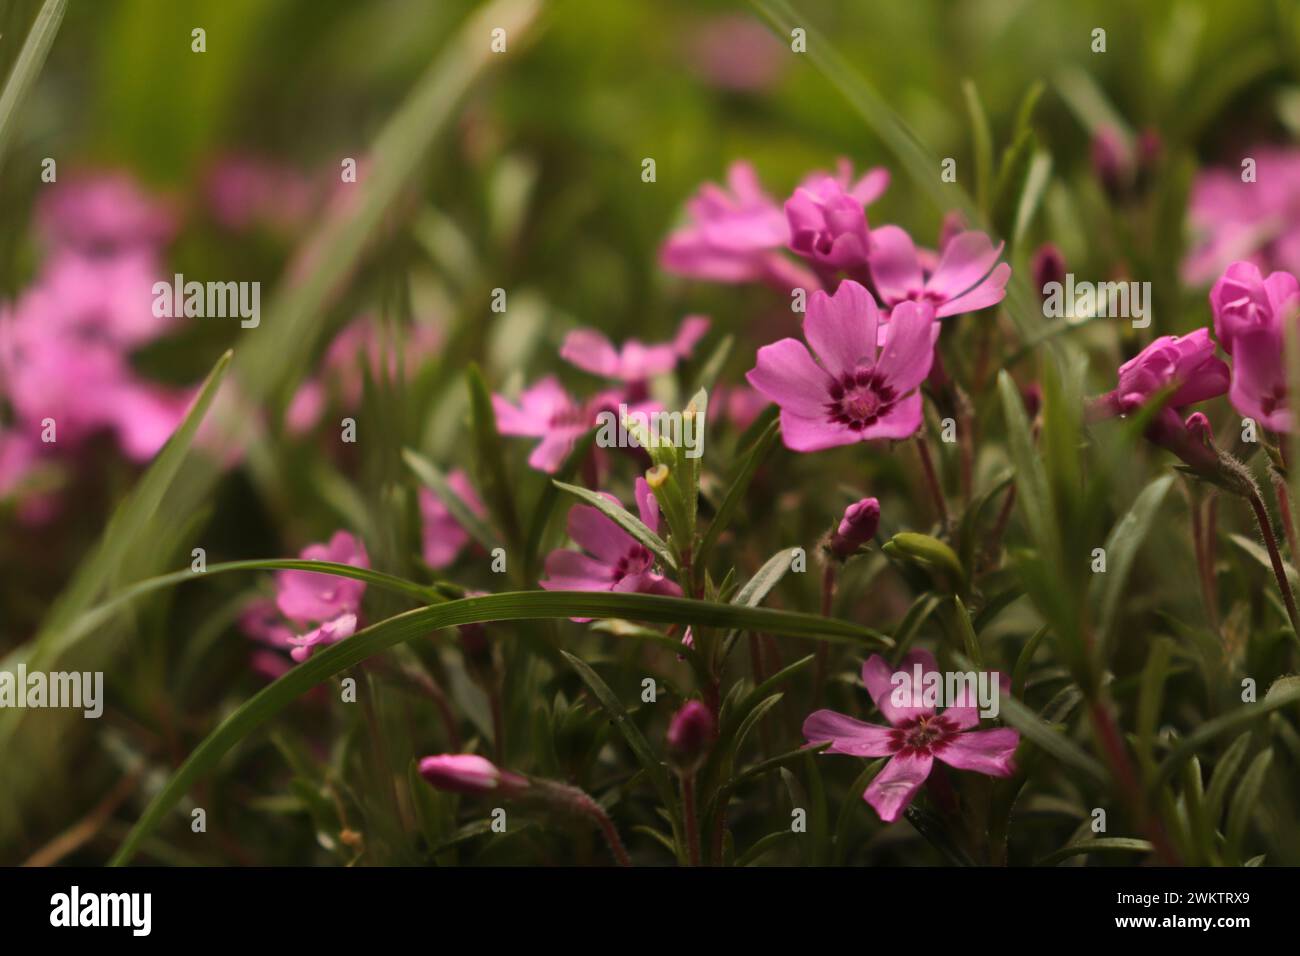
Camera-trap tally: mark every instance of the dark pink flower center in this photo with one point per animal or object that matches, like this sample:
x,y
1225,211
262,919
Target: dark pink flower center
x,y
1274,400
923,736
572,417
859,399
637,560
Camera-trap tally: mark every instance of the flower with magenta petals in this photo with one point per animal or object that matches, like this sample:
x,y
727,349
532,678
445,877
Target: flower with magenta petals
x,y
548,412
636,362
328,601
967,278
915,738
828,221
861,390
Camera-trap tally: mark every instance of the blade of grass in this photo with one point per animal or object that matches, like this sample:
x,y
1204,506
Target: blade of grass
x,y
27,67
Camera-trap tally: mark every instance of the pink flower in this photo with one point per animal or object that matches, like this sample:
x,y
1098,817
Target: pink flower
x,y
103,213
738,404
330,602
968,276
246,191
1254,220
1259,379
736,52
1243,300
592,352
442,534
734,235
827,221
612,560
915,737
548,412
1185,361
860,391
470,774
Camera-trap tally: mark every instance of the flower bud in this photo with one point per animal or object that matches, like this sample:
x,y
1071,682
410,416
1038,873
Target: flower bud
x,y
1111,163
470,773
690,735
857,527
1047,265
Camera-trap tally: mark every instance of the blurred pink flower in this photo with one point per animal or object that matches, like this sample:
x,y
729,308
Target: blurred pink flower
x,y
738,404
1255,221
328,601
245,191
968,276
1259,380
827,219
548,412
861,390
98,213
1243,300
916,736
735,234
592,352
441,533
470,774
736,52
612,559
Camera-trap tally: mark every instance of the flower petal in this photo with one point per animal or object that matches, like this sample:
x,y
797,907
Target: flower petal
x,y
591,352
989,292
878,677
909,346
985,751
895,786
895,266
841,328
847,735
814,434
787,375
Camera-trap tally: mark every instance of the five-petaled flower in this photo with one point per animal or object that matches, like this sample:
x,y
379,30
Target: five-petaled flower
x,y
860,391
330,602
612,560
916,737
967,277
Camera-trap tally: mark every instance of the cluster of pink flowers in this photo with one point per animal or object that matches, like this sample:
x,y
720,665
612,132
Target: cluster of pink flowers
x,y
66,342
310,608
1253,316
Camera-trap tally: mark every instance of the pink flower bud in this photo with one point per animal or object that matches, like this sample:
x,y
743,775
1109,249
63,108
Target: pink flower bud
x,y
470,773
690,735
1048,265
857,527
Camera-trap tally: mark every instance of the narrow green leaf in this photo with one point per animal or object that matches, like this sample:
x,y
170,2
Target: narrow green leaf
x,y
1049,739
1023,662
1224,775
436,481
982,141
1122,547
1100,845
1245,801
1032,493
755,456
1150,697
625,520
492,475
27,67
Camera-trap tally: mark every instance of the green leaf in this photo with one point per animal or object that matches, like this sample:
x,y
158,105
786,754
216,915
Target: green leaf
x,y
1032,493
1245,801
1224,775
1024,661
1049,739
1150,697
753,457
763,845
27,67
1122,547
1101,844
436,481
982,141
1284,693
625,520
545,505
492,475
930,552
655,768
419,623
967,634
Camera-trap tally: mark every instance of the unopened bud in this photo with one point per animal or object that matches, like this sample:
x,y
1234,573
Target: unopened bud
x,y
1047,265
690,735
472,774
857,527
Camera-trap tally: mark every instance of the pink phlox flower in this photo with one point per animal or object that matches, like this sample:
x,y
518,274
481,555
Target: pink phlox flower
x,y
636,362
915,737
967,277
827,218
1243,300
548,412
855,389
610,559
104,213
1187,362
328,601
442,535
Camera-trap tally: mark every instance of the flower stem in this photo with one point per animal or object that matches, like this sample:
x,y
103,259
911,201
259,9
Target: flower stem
x,y
1202,540
1275,557
932,480
579,801
823,647
1284,512
691,821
